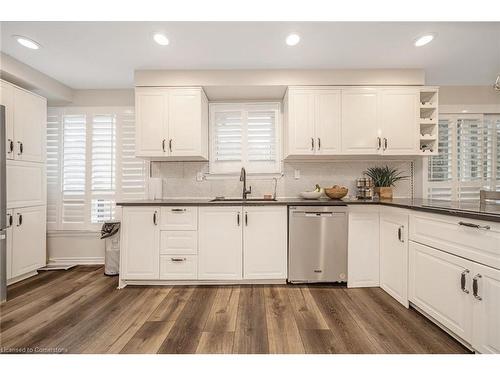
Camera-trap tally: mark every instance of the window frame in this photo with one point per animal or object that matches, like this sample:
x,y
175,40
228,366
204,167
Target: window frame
x,y
216,169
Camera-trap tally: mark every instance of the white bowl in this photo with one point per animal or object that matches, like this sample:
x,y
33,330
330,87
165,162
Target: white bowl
x,y
311,194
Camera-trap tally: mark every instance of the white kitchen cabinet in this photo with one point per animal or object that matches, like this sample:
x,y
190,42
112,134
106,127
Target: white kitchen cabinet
x,y
440,284
313,121
28,240
26,184
140,243
8,232
178,267
176,242
486,309
394,254
363,247
399,113
179,218
171,123
360,126
7,100
220,243
265,242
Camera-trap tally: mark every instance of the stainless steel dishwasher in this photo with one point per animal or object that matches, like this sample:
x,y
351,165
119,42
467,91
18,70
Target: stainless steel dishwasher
x,y
317,238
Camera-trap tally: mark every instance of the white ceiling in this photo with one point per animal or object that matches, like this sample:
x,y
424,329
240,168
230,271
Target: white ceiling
x,y
98,55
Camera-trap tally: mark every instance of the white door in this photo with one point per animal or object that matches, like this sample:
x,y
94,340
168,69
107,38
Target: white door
x,y
265,242
28,240
486,309
30,122
220,243
441,285
151,122
327,122
399,120
7,100
360,129
394,255
300,130
140,243
363,248
8,232
185,122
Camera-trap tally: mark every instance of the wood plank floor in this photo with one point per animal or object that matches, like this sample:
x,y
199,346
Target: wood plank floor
x,y
81,311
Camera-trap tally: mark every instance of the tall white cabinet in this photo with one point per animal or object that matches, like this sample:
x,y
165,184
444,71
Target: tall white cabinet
x,y
26,118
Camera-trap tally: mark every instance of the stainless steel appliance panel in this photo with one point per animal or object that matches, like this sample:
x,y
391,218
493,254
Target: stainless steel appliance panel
x,y
318,244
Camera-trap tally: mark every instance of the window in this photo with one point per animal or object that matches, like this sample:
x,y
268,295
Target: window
x,y
91,164
468,160
244,135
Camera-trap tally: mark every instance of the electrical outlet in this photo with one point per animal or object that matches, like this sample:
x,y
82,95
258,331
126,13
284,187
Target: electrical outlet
x,y
199,176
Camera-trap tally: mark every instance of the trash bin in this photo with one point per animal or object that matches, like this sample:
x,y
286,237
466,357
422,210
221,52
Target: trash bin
x,y
110,233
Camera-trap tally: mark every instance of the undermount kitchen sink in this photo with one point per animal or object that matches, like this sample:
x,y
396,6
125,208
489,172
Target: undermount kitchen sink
x,y
243,200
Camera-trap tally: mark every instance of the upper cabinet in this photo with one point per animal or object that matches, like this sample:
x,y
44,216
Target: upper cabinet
x,y
172,123
26,118
313,121
352,121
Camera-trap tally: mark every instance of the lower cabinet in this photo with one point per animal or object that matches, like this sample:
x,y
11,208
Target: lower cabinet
x,y
220,243
26,249
265,242
140,243
178,267
394,254
363,247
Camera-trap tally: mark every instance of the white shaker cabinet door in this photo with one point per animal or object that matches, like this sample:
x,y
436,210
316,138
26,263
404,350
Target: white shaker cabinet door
x,y
440,285
265,242
399,121
394,255
486,309
220,243
7,100
360,130
30,119
140,243
327,122
300,133
151,122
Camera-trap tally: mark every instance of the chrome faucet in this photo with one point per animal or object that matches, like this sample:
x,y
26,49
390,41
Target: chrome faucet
x,y
243,178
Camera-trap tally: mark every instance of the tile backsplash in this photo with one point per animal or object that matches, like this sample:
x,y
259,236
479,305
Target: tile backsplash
x,y
180,179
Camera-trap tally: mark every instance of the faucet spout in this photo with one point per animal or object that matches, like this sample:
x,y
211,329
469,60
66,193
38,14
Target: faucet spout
x,y
243,178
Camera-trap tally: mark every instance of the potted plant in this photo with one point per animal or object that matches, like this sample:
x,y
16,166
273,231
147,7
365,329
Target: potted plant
x,y
384,178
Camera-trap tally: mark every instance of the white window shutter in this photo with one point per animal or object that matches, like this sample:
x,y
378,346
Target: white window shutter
x,y
54,143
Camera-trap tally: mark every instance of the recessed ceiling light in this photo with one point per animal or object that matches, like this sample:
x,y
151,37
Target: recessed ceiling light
x,y
423,40
292,39
161,39
26,42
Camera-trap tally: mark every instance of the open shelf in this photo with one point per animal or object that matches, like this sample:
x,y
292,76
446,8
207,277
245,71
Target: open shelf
x,y
429,121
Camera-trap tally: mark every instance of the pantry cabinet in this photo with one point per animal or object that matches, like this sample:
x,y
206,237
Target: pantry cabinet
x,y
265,242
394,254
220,243
140,243
313,117
7,100
171,123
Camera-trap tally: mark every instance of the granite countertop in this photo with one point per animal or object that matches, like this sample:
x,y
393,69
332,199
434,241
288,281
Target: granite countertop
x,y
489,212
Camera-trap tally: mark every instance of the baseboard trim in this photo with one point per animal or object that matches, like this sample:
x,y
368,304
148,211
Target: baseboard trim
x,y
77,260
21,277
124,283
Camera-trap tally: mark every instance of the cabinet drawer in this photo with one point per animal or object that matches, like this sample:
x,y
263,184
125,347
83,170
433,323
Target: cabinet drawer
x,y
179,242
451,234
178,267
179,218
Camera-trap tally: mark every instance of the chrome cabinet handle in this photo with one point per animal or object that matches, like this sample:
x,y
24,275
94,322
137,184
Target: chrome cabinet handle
x,y
379,143
246,219
472,225
170,145
163,145
178,210
10,220
155,218
238,218
463,281
400,233
21,148
312,144
178,259
385,144
19,220
319,144
475,287
11,146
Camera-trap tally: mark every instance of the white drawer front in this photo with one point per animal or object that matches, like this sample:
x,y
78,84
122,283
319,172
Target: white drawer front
x,y
25,184
445,233
178,267
179,218
179,242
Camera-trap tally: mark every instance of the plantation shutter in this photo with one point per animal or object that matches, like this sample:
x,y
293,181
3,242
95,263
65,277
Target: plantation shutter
x,y
53,149
440,166
73,171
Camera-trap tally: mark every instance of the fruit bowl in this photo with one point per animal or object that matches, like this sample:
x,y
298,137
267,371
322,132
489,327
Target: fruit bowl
x,y
310,194
336,192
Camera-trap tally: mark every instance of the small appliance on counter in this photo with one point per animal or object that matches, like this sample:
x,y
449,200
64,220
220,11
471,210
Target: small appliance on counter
x,y
365,188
